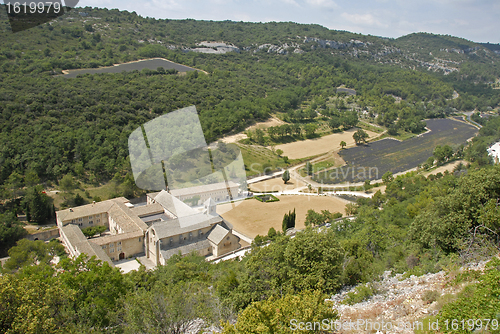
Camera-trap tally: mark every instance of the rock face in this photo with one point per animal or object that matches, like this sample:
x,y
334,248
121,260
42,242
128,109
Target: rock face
x,y
398,303
214,48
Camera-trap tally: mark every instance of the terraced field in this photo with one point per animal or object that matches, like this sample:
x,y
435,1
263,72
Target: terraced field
x,y
372,160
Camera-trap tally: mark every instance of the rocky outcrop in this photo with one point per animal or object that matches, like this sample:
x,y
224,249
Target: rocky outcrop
x,y
399,301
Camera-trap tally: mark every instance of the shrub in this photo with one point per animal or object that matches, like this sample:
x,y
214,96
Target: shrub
x,y
360,293
430,296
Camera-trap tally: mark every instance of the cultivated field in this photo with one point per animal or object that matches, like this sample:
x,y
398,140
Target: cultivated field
x,y
252,217
276,184
310,147
273,121
394,156
151,64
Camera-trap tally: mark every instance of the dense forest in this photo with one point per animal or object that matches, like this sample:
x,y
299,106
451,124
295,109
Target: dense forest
x,y
54,126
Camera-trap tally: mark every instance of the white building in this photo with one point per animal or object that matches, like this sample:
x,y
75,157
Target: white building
x,y
494,151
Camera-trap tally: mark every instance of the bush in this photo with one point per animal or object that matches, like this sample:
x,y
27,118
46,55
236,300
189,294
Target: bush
x,y
267,198
360,293
430,296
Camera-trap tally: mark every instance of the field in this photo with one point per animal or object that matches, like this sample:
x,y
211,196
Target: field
x,y
151,64
275,184
252,217
257,158
394,156
311,147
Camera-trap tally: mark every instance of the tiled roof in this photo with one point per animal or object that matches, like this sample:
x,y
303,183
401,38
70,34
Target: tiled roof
x,y
186,249
106,239
147,210
217,234
166,229
78,241
86,210
173,204
204,188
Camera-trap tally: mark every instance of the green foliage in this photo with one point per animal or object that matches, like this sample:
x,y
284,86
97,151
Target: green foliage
x,y
33,306
309,168
477,301
167,309
387,178
311,260
98,288
443,153
271,234
447,220
67,183
10,232
288,221
315,219
283,315
360,136
267,198
38,205
360,294
430,296
90,231
29,253
286,176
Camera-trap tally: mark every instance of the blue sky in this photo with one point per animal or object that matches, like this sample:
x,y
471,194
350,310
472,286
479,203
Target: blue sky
x,y
476,20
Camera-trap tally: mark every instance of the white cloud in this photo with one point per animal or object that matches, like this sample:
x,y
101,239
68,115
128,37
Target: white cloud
x,y
363,20
322,3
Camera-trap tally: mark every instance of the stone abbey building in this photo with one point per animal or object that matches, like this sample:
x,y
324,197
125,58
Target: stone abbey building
x,y
159,228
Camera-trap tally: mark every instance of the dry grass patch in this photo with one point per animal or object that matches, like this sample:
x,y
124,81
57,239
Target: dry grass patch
x,y
276,184
311,147
253,218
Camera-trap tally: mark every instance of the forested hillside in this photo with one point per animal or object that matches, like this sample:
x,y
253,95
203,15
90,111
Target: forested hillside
x,y
55,126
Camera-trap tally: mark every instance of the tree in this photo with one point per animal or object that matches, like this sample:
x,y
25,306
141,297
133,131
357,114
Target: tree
x,y
281,315
271,234
14,182
259,136
167,309
387,177
38,205
309,168
99,290
443,153
67,183
334,123
313,218
29,253
360,136
351,209
279,152
90,231
32,306
10,232
286,176
31,179
288,221
343,144
311,129
311,260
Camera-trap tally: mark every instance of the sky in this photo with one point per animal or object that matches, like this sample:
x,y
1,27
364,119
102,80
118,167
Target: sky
x,y
476,20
